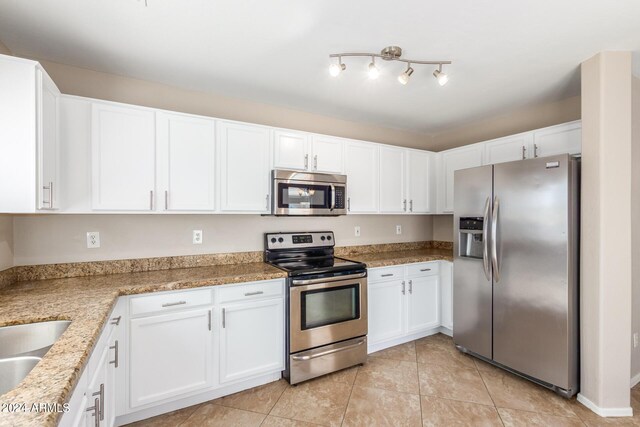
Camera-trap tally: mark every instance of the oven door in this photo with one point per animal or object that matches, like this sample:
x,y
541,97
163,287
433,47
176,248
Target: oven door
x,y
292,197
327,310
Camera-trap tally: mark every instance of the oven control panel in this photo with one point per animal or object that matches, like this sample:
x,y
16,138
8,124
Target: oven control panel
x,y
316,239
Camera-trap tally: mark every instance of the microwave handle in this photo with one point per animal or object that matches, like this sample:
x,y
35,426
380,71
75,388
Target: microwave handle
x,y
333,197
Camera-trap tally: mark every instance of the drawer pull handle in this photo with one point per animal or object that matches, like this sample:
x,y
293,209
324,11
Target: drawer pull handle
x,y
171,304
425,269
115,348
116,320
386,275
248,294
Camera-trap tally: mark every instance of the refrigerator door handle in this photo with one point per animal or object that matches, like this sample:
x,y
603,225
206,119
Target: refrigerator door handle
x,y
485,240
494,239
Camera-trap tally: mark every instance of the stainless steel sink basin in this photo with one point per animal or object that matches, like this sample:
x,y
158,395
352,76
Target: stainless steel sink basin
x,y
32,339
15,369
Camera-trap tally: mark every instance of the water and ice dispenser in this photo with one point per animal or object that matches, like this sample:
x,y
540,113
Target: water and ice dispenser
x,y
470,237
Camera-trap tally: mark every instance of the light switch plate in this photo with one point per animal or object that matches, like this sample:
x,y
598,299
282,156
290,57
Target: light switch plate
x,y
93,239
197,237
356,231
398,229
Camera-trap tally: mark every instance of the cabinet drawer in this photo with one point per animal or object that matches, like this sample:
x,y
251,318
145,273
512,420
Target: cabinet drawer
x,y
170,301
423,269
385,273
250,291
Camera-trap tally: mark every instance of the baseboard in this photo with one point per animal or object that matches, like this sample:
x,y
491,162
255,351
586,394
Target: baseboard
x,y
446,331
635,380
372,348
605,412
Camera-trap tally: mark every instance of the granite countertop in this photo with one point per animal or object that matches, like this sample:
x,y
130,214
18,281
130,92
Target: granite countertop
x,y
87,302
385,259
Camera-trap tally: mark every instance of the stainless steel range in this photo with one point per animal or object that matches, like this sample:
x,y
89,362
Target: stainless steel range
x,y
326,307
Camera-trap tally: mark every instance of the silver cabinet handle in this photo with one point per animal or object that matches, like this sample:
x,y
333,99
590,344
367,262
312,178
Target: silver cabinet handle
x,y
494,239
535,150
403,289
386,275
410,286
248,294
267,201
315,162
327,352
404,204
425,269
166,200
50,191
224,317
116,320
94,408
209,320
115,361
306,161
485,239
411,205
171,304
100,404
524,152
151,200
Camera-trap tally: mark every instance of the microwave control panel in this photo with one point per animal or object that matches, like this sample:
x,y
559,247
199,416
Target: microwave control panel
x,y
340,197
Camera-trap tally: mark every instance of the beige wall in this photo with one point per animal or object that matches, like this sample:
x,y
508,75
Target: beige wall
x,y
443,228
605,299
635,227
520,120
6,242
4,50
43,239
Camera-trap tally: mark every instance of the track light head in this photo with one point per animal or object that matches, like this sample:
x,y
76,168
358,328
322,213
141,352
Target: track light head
x,y
374,73
336,69
440,76
403,78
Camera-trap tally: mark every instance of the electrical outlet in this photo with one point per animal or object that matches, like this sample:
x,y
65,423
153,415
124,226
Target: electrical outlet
x,y
197,237
357,230
93,239
635,340
398,229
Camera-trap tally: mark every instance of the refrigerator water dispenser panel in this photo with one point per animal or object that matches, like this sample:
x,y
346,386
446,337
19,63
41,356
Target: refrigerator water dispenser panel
x,y
470,238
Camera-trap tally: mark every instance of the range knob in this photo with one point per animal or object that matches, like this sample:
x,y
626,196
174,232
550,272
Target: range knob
x,y
280,239
328,237
322,238
273,240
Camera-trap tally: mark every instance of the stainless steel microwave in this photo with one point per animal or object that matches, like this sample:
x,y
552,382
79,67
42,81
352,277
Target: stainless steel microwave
x,y
308,194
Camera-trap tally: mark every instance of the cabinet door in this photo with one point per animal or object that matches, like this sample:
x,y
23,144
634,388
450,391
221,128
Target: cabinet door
x,y
47,137
423,304
361,168
515,147
385,310
123,158
290,150
561,139
392,180
327,154
244,168
453,160
446,294
170,355
251,339
419,173
186,162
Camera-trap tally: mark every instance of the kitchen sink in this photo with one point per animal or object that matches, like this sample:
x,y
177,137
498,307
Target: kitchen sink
x,y
15,369
31,339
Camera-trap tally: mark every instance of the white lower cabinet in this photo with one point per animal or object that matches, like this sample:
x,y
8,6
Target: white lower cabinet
x,y
170,355
446,295
251,339
405,302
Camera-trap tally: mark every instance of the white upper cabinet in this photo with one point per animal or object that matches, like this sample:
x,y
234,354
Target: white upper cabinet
x,y
244,168
28,137
186,162
327,154
420,181
508,149
290,150
450,161
123,158
361,168
392,180
560,139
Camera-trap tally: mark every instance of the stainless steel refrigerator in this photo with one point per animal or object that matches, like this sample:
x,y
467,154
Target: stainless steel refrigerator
x,y
515,286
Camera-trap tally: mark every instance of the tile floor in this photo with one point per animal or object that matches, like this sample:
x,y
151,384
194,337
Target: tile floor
x,y
425,382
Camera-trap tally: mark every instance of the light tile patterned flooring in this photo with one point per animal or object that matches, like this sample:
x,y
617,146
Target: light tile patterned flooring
x,y
425,382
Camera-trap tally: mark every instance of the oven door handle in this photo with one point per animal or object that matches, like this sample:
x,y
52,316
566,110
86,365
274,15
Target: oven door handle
x,y
328,352
333,197
296,282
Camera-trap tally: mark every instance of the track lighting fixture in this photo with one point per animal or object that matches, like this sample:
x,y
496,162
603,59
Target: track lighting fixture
x,y
390,53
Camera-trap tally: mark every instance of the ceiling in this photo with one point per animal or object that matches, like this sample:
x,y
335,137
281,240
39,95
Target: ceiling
x,y
506,54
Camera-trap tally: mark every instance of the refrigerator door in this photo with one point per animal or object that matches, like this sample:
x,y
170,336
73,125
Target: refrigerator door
x,y
535,275
472,294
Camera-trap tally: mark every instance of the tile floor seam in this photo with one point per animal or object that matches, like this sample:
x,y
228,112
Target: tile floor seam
x,y
539,413
239,409
344,415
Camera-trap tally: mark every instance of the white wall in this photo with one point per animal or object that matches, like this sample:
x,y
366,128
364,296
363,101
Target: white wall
x,y
6,242
44,239
635,227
